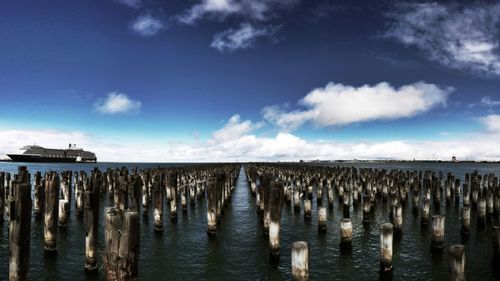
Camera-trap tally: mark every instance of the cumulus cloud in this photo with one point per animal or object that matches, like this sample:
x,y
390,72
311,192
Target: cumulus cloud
x,y
130,3
243,145
234,129
337,104
242,38
147,25
460,37
492,122
252,9
117,103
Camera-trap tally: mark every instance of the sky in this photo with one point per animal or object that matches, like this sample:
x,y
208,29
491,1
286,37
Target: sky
x,y
252,80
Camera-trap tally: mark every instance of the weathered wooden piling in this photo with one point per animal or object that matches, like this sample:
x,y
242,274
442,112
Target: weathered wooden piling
x,y
457,262
426,210
322,218
496,244
386,239
91,220
63,213
39,195
172,186
481,214
121,235
345,232
211,208
51,212
397,218
20,226
307,209
79,192
367,204
300,261
465,220
2,196
157,203
437,231
275,204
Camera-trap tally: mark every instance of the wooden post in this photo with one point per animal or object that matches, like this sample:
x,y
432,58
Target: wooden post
x,y
266,187
386,238
481,215
145,193
172,186
63,212
296,199
465,220
158,203
426,209
275,204
367,204
91,220
20,226
2,196
39,195
300,261
122,245
51,212
457,262
79,192
211,207
307,209
345,232
437,231
398,218
322,218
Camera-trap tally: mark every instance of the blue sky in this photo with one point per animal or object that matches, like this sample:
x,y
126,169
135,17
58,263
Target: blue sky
x,y
217,80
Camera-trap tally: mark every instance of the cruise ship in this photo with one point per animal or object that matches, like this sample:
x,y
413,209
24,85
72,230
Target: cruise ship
x,y
35,153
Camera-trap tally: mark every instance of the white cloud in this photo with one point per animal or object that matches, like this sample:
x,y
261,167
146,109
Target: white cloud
x,y
337,104
236,141
130,3
492,122
487,101
252,9
242,38
116,103
147,25
234,129
461,37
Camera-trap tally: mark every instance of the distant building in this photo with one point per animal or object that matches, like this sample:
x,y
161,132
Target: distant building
x,y
454,159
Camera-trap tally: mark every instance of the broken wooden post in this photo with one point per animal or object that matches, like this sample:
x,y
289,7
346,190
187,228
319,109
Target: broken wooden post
x,y
345,232
457,262
51,212
496,244
91,220
63,213
386,238
426,210
275,204
322,218
367,204
39,195
2,196
20,226
437,231
172,186
465,220
481,215
397,218
211,207
300,261
157,203
121,235
307,209
79,193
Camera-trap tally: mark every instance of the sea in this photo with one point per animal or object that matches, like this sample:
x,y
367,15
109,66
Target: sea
x,y
240,251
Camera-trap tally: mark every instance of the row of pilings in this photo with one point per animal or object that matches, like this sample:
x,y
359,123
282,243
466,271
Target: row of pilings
x,y
365,188
132,193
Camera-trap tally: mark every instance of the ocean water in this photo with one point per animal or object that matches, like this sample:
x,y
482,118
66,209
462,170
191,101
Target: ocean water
x,y
239,251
